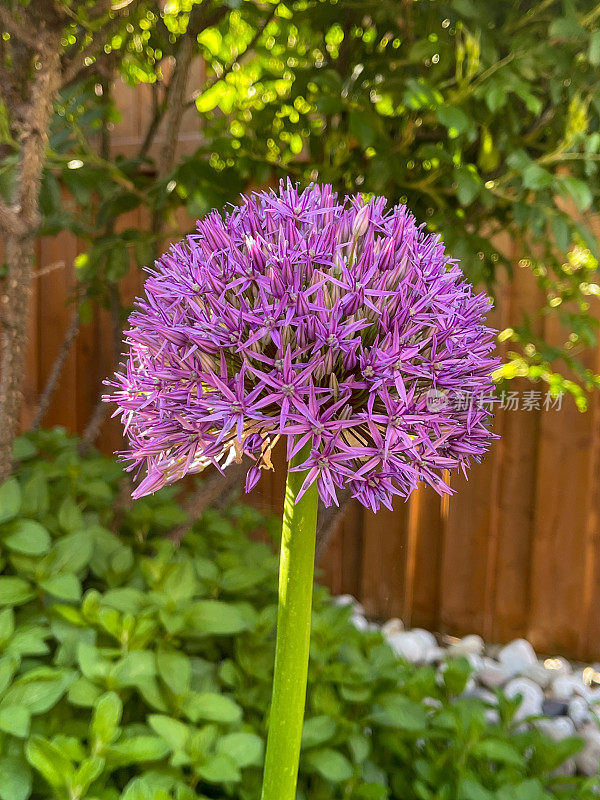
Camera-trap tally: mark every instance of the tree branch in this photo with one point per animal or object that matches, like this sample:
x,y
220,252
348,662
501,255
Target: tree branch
x,y
10,221
77,64
20,30
173,104
57,368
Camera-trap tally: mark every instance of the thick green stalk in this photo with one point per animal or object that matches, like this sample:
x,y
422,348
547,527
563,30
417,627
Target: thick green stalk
x,y
296,569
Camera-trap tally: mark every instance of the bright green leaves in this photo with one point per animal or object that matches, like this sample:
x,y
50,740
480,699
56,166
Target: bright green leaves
x,y
213,707
28,537
14,591
153,684
330,764
15,778
317,730
105,720
10,499
245,749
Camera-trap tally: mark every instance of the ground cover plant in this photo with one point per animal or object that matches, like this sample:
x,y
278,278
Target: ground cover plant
x,y
134,668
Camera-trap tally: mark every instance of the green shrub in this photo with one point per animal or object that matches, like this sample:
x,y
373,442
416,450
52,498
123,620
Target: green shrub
x,y
137,669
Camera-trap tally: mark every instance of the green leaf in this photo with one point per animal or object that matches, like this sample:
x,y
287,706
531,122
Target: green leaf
x,y
89,770
106,718
579,191
64,586
71,553
175,669
39,689
7,624
173,731
219,769
453,118
24,449
536,177
70,517
14,591
8,667
134,667
15,720
212,617
15,779
470,789
28,537
397,711
467,185
566,27
330,764
594,48
497,750
317,730
212,707
456,674
137,749
50,762
246,749
360,747
10,499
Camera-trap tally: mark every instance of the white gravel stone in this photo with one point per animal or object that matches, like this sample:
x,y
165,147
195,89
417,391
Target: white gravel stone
x,y
566,770
558,665
588,759
579,711
557,728
435,655
539,674
532,697
517,656
493,674
428,639
593,696
360,622
484,694
492,716
468,645
393,625
476,662
349,600
564,687
408,646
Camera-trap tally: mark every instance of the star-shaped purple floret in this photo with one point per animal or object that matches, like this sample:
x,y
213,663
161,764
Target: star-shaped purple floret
x,y
335,323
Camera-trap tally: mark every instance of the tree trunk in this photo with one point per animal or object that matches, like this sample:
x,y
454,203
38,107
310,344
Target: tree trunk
x,y
13,322
31,122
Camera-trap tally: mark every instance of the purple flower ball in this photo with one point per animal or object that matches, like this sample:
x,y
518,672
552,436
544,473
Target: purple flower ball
x,y
339,323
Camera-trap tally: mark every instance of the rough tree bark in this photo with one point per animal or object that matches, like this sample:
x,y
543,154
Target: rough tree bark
x,y
30,108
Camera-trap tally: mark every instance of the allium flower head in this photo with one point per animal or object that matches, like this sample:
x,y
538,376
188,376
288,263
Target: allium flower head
x,y
323,321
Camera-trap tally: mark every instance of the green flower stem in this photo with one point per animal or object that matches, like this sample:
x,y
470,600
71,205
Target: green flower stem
x,y
296,569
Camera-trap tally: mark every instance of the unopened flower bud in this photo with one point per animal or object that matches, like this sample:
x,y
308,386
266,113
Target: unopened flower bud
x,y
361,221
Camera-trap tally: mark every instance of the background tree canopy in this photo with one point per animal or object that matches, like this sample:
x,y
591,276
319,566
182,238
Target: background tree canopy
x,y
482,117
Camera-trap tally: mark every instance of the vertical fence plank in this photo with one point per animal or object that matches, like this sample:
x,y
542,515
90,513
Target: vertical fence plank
x,y
557,564
517,486
384,561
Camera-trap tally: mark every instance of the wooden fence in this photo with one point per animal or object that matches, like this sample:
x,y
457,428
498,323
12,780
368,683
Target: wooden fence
x,y
515,552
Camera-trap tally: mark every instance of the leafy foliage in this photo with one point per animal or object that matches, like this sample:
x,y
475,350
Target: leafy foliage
x,y
134,668
483,117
